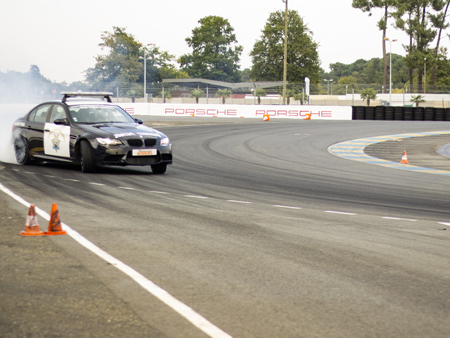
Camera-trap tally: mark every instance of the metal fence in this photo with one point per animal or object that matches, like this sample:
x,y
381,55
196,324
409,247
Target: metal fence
x,y
327,93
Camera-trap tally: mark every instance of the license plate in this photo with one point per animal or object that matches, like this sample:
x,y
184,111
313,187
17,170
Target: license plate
x,y
144,152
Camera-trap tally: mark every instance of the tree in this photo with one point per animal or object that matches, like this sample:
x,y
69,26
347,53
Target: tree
x,y
260,93
367,6
215,54
268,52
438,22
290,93
223,93
368,94
416,18
302,97
197,93
121,63
417,99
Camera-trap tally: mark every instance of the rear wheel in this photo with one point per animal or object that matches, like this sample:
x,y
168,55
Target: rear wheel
x,y
21,150
159,168
87,157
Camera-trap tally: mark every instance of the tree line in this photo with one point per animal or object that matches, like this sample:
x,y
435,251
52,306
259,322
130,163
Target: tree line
x,y
215,55
424,22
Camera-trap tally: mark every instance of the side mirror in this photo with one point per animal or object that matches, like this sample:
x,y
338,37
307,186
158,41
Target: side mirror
x,y
140,121
64,122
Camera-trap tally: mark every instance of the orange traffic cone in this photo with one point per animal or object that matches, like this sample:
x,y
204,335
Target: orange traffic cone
x,y
266,117
404,158
307,116
54,226
32,225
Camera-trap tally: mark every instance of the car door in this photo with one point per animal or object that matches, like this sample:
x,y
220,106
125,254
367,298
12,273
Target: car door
x,y
57,135
35,129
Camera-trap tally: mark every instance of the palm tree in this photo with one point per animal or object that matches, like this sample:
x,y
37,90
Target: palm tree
x,y
223,93
368,94
417,99
197,93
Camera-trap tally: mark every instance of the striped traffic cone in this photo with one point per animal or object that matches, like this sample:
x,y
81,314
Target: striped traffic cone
x,y
32,224
54,226
404,158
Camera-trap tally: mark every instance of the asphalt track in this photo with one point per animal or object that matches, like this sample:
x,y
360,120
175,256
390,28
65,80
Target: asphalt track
x,y
263,232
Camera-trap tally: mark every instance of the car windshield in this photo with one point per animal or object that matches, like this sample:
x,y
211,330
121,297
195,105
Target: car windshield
x,y
99,113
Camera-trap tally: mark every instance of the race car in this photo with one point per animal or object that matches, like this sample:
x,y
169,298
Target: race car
x,y
87,129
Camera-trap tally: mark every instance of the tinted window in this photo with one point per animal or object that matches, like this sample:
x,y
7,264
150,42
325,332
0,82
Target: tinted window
x,y
57,113
31,115
41,113
97,113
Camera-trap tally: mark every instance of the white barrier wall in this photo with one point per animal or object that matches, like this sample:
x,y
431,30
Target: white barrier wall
x,y
249,111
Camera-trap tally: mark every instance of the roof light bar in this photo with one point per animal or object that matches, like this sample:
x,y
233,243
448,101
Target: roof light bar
x,y
106,95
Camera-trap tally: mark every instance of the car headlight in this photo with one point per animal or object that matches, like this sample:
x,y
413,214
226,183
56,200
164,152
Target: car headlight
x,y
109,141
165,141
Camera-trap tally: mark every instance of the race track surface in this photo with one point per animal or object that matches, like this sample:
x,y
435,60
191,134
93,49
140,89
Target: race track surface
x,y
263,232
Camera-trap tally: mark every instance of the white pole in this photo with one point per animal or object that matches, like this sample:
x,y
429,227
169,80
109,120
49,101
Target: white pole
x,y
390,72
145,75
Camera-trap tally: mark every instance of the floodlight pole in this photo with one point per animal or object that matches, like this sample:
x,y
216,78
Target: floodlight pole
x,y
285,50
390,69
145,75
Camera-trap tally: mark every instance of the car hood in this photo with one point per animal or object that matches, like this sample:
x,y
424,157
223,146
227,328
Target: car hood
x,y
122,130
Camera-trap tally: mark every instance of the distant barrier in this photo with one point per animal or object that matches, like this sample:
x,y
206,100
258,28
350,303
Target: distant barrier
x,y
400,113
247,111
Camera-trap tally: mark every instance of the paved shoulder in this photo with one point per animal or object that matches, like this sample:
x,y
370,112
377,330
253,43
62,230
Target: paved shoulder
x,y
44,292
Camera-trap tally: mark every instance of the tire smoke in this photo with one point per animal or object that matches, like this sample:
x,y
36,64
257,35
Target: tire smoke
x,y
9,113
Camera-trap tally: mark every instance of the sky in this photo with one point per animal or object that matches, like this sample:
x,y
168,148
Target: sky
x,y
61,37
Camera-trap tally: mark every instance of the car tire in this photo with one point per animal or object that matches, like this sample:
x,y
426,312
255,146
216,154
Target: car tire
x,y
87,157
159,168
23,156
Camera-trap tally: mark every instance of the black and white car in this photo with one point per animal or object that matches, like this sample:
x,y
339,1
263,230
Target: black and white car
x,y
84,129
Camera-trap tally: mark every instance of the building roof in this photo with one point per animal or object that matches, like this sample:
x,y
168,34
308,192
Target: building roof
x,y
213,83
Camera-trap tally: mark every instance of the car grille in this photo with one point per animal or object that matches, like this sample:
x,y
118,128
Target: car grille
x,y
137,142
113,158
142,160
167,157
149,142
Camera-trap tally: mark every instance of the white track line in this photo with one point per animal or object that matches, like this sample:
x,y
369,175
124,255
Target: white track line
x,y
400,219
126,188
235,201
184,310
286,207
195,196
444,223
341,212
95,183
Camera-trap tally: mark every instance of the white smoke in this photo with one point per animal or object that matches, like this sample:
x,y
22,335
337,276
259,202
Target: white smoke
x,y
8,114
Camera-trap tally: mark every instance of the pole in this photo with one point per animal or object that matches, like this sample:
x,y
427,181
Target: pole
x,y
145,75
164,101
207,94
390,73
285,50
425,77
117,100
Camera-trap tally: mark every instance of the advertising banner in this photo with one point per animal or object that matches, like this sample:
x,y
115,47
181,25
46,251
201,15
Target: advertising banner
x,y
246,111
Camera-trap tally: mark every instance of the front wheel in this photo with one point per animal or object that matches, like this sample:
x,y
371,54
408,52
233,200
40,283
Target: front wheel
x,y
21,150
87,157
159,168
